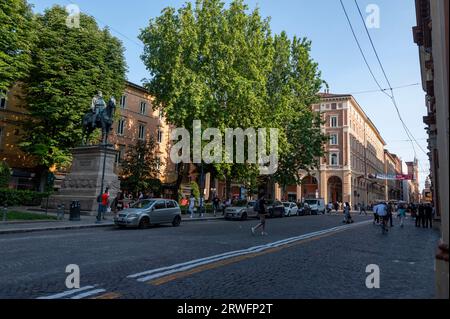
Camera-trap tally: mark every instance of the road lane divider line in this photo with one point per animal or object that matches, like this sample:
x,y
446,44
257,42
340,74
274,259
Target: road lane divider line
x,y
88,294
67,293
183,266
164,280
108,296
151,275
79,293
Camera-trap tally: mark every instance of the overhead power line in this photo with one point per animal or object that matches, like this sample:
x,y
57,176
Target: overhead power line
x,y
392,96
384,90
359,46
124,36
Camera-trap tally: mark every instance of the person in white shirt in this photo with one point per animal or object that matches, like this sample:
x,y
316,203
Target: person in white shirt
x,y
192,205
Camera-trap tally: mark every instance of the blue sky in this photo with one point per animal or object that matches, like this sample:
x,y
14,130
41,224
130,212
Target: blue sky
x,y
333,47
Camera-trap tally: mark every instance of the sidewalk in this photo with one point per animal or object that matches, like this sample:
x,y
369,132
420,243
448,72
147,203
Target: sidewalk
x,y
11,227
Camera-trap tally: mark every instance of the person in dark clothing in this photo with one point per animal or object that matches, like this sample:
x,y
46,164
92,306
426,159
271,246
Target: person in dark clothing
x,y
216,205
390,210
428,220
336,207
420,219
262,216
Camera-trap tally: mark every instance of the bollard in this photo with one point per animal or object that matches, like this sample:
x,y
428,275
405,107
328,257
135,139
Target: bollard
x,y
63,211
60,212
5,211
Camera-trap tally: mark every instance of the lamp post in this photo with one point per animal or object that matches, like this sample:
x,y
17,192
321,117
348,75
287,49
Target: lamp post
x,y
100,204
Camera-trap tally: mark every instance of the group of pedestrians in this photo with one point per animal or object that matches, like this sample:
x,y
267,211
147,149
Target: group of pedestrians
x,y
424,216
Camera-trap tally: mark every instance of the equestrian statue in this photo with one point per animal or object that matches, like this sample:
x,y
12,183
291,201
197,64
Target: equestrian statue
x,y
101,116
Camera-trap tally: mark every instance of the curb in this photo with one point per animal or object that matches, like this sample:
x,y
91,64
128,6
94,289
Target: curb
x,y
18,222
29,230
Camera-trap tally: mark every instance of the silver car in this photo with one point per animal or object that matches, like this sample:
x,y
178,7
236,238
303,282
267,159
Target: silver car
x,y
241,212
147,212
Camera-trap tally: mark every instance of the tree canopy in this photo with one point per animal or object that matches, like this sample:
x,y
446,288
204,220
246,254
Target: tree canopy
x,y
17,36
223,66
68,66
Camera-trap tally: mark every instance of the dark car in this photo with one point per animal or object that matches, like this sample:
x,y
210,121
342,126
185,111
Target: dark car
x,y
275,209
304,209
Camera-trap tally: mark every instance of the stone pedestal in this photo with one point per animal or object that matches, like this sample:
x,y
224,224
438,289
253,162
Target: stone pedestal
x,y
84,182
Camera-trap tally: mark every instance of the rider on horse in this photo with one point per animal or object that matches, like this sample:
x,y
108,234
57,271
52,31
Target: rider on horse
x,y
97,106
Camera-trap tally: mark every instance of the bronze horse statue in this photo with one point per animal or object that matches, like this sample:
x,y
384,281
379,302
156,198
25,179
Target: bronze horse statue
x,y
104,121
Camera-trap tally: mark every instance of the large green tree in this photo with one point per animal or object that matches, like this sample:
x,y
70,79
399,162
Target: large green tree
x,y
17,36
223,66
69,65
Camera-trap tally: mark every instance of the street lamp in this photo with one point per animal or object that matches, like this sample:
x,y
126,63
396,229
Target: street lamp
x,y
100,204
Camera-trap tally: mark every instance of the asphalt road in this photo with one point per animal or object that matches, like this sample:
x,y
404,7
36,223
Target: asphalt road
x,y
302,257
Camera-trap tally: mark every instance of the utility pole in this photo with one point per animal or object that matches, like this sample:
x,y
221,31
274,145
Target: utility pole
x,y
366,177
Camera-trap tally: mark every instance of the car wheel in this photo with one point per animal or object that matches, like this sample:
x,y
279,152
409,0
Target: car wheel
x,y
144,223
244,216
176,221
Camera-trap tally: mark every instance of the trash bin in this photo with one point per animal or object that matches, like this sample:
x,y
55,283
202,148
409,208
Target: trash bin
x,y
75,211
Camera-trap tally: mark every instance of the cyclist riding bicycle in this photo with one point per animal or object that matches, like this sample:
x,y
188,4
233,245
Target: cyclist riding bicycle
x,y
382,210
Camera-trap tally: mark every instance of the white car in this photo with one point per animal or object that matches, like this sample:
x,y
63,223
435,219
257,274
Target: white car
x,y
317,206
290,209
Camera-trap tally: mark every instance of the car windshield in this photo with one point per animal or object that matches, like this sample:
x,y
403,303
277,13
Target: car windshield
x,y
311,202
251,204
287,205
240,203
143,204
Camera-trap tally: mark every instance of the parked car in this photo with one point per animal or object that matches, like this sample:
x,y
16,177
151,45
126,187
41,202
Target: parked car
x,y
275,209
147,212
241,211
290,209
304,209
317,206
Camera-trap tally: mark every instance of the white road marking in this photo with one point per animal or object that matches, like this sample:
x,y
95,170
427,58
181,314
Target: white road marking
x,y
67,293
164,271
89,293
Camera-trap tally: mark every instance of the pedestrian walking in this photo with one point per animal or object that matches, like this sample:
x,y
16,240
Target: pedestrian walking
x,y
401,214
201,204
376,217
428,216
420,219
192,205
329,208
363,209
336,208
216,205
105,203
261,209
347,214
391,210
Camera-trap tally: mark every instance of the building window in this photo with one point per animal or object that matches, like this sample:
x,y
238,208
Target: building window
x,y
143,108
120,154
141,132
3,100
333,139
158,163
334,121
160,137
334,159
161,115
333,106
121,127
123,101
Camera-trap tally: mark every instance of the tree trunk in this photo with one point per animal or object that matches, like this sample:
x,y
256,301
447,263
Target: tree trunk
x,y
228,187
